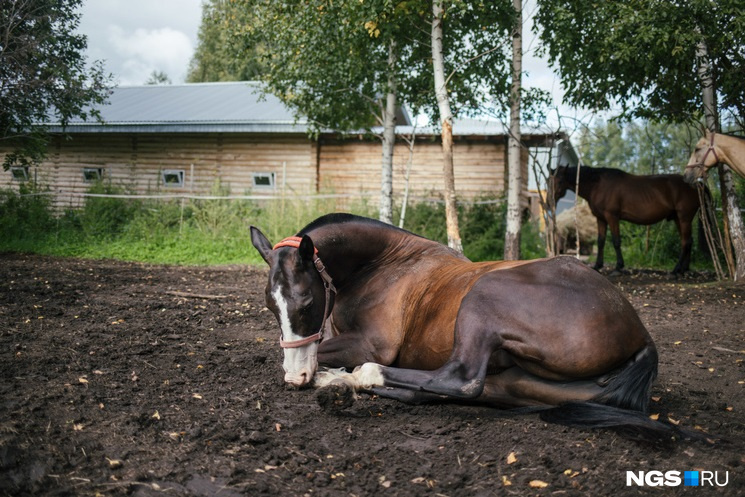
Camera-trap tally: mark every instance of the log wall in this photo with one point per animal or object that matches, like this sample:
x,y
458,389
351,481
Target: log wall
x,y
300,165
352,167
136,163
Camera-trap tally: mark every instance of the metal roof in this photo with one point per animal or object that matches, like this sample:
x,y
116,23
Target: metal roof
x,y
225,107
203,107
236,107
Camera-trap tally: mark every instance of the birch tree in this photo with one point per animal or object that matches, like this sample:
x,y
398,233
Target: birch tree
x,y
334,63
446,123
346,65
467,60
732,212
514,164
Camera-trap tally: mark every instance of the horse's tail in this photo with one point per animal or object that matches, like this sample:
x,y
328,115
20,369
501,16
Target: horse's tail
x,y
623,405
632,424
630,388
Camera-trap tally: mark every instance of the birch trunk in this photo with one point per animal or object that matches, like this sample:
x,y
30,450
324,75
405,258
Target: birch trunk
x,y
389,141
514,169
733,216
446,120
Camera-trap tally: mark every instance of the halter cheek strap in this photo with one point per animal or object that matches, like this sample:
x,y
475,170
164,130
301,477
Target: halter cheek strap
x,y
294,241
703,160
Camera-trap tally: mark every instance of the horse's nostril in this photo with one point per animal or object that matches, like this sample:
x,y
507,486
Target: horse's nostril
x,y
298,379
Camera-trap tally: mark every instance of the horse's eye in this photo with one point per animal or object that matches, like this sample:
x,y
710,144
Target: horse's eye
x,y
305,309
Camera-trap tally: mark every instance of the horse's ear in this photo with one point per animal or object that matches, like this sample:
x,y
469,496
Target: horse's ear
x,y
306,249
262,244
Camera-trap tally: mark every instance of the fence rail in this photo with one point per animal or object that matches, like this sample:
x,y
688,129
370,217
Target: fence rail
x,y
188,196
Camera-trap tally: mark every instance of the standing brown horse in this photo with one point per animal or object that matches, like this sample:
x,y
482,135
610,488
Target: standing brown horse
x,y
422,323
712,149
615,196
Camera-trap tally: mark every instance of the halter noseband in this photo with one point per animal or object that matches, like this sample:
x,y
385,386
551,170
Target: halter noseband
x,y
703,160
294,241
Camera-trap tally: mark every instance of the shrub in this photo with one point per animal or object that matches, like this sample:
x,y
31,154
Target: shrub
x,y
104,217
25,216
482,227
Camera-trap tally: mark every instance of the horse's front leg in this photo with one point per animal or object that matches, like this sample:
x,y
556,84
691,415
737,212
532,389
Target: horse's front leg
x,y
602,229
352,349
409,385
476,347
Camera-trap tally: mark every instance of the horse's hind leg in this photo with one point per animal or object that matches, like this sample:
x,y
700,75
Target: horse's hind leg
x,y
516,387
513,387
602,230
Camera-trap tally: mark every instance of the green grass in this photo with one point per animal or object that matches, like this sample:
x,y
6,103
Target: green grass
x,y
655,247
207,232
198,232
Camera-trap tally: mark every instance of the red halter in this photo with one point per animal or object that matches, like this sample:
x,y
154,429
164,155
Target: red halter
x,y
294,241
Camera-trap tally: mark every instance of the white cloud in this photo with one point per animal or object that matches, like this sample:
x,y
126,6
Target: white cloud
x,y
136,37
143,51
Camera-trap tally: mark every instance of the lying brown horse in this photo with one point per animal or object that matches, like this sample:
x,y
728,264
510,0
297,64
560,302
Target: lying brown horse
x,y
615,196
422,323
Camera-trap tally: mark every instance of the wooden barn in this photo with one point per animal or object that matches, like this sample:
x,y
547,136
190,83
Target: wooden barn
x,y
181,139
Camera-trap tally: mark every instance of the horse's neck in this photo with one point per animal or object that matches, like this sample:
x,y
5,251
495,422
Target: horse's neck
x,y
587,179
733,153
349,248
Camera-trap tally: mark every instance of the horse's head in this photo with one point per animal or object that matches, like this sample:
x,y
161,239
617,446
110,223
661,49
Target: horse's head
x,y
300,295
559,182
703,157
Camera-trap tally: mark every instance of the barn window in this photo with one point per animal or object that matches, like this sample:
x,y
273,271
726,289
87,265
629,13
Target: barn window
x,y
173,178
19,173
263,181
92,174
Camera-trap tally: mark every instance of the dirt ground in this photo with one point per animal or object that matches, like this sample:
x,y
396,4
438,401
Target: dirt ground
x,y
133,379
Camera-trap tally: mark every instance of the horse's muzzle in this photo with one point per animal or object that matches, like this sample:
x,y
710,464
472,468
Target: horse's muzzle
x,y
299,378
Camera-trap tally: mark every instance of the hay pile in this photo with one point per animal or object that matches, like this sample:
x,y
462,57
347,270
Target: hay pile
x,y
586,224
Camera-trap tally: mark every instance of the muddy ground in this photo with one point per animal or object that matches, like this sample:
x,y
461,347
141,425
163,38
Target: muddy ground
x,y
132,379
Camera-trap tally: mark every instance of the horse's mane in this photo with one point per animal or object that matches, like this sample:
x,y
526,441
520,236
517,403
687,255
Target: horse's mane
x,y
732,135
593,173
341,218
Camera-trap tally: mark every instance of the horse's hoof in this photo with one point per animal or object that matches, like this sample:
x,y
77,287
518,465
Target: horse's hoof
x,y
335,397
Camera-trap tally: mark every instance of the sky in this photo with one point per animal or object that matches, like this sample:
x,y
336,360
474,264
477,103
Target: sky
x,y
136,37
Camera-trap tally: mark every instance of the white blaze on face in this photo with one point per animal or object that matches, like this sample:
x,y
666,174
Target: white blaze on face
x,y
299,363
